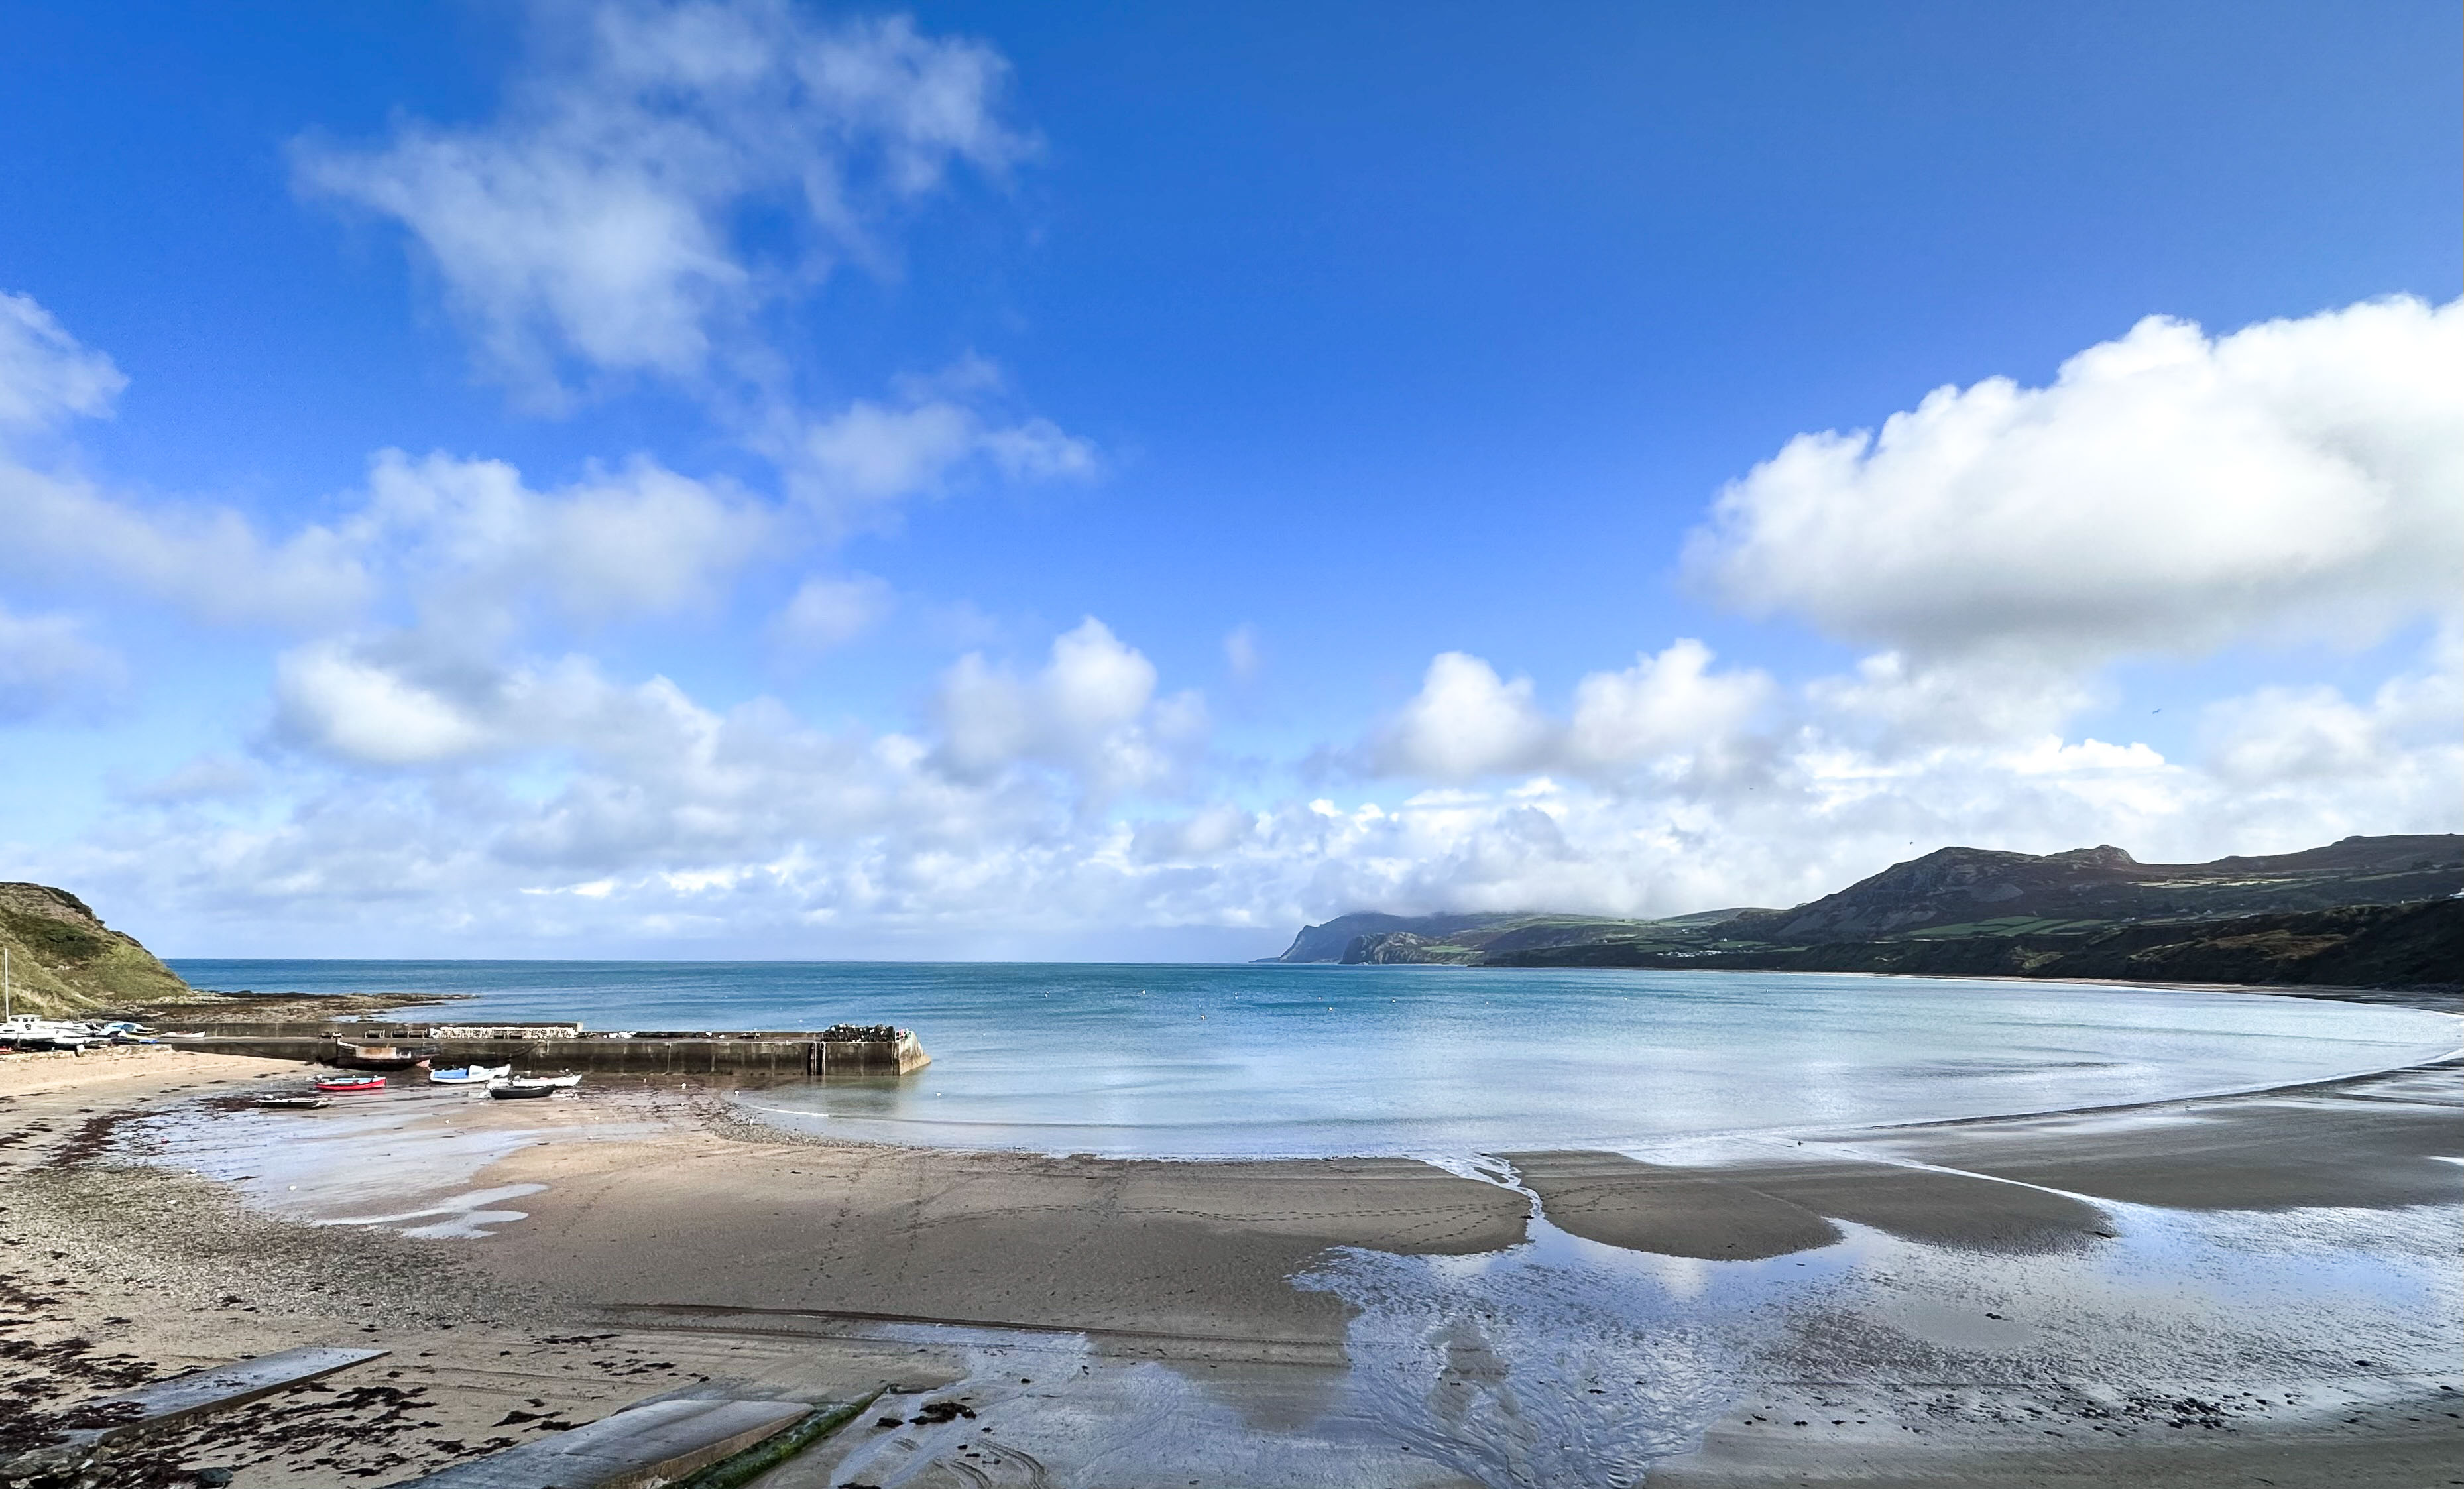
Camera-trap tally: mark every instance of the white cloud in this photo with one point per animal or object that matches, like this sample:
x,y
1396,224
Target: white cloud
x,y
471,536
2310,759
827,613
207,560
441,795
1202,835
45,375
600,219
1091,709
64,531
330,697
48,666
1665,705
442,770
870,455
1464,722
664,178
2168,494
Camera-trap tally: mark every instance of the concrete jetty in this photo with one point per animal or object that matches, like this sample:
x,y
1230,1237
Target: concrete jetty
x,y
783,1055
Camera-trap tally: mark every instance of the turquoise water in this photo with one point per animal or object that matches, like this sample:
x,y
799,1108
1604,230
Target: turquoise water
x,y
1217,1062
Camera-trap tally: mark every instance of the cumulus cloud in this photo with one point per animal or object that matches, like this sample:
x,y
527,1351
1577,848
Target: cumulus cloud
x,y
2305,755
438,759
334,697
470,535
1091,710
1665,704
1466,722
601,219
461,537
49,667
2169,492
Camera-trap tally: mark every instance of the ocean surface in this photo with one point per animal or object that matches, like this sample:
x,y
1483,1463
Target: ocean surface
x,y
1223,1061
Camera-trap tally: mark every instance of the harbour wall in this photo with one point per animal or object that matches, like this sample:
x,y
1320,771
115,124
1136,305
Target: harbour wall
x,y
764,1055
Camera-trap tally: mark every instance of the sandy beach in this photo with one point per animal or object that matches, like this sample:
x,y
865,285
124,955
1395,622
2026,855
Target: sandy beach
x,y
2115,1297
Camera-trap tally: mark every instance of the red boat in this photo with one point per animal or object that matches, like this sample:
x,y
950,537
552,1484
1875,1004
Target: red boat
x,y
347,1085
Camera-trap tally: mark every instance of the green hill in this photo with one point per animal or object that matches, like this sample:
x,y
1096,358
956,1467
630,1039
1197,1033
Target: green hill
x,y
2365,911
64,960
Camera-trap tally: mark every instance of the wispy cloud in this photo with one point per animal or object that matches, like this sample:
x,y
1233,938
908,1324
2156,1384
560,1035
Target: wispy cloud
x,y
603,221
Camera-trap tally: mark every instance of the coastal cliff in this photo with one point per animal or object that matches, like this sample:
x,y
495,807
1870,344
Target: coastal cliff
x,y
2362,912
63,959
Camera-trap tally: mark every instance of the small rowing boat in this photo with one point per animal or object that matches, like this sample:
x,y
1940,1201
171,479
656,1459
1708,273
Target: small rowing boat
x,y
294,1103
554,1082
470,1075
520,1090
350,1085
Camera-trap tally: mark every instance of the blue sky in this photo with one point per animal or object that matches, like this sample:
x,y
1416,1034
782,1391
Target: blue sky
x,y
1368,377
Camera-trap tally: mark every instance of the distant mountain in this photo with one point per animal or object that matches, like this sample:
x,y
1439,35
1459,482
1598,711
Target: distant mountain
x,y
2365,911
2416,945
63,959
1972,891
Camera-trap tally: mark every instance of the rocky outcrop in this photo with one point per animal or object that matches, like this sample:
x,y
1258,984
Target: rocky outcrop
x,y
1334,941
1402,948
63,959
1349,938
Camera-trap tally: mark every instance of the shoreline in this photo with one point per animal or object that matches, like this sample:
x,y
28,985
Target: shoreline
x,y
473,1236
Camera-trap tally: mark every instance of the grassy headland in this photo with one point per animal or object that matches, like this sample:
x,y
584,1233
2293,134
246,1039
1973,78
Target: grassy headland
x,y
2369,912
64,960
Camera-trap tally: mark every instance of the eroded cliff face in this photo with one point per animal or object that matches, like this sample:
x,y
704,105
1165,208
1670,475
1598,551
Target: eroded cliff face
x,y
1402,948
64,960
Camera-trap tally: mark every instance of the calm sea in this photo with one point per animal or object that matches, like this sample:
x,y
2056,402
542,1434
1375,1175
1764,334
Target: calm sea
x,y
1249,1060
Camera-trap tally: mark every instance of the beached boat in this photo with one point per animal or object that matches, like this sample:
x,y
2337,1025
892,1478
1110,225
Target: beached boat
x,y
470,1075
25,1031
351,1086
520,1090
294,1103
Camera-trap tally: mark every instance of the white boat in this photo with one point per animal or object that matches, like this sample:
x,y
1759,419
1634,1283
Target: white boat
x,y
25,1031
470,1075
557,1083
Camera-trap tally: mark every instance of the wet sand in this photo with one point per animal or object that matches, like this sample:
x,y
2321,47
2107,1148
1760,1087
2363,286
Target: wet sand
x,y
1188,1252
535,1263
